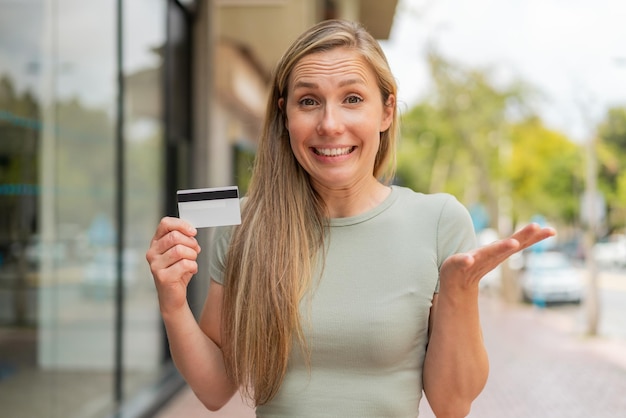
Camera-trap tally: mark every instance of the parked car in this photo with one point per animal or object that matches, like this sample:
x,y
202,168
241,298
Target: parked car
x,y
611,253
551,277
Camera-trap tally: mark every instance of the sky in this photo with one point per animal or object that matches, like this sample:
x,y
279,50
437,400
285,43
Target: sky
x,y
572,51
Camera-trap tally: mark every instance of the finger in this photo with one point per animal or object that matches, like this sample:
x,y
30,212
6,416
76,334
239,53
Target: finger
x,y
172,239
532,234
178,253
169,224
174,254
497,250
183,270
490,256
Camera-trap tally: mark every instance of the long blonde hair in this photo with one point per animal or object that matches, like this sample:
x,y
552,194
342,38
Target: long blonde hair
x,y
274,251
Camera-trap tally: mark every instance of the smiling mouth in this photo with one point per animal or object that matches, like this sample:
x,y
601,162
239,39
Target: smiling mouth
x,y
333,152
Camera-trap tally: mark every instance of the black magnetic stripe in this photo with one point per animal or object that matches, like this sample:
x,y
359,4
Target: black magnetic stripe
x,y
212,195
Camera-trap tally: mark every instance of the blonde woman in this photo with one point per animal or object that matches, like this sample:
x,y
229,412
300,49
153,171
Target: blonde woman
x,y
338,295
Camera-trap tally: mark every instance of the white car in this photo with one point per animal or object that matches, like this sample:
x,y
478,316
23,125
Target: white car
x,y
612,253
551,277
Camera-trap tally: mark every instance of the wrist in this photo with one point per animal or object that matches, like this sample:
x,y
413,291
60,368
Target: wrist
x,y
457,295
171,309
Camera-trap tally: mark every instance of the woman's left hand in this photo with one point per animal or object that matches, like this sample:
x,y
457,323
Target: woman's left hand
x,y
464,270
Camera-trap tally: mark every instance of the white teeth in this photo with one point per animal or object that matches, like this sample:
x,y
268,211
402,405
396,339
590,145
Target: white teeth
x,y
333,152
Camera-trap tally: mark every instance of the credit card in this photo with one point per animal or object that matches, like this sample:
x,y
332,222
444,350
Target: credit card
x,y
209,207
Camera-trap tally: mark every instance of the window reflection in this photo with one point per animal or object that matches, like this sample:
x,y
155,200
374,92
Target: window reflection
x,y
58,95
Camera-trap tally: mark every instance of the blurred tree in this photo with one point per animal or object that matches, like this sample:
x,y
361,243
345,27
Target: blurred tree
x,y
145,174
85,177
545,172
611,149
427,150
456,140
485,144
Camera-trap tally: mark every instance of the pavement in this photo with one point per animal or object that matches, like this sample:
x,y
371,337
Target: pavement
x,y
542,366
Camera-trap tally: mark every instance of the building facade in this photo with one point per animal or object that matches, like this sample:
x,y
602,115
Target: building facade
x,y
106,109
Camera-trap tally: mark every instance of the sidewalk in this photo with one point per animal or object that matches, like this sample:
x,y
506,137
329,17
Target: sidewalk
x,y
540,368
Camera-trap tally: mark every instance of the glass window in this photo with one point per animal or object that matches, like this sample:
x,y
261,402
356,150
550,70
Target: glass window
x,y
144,38
58,229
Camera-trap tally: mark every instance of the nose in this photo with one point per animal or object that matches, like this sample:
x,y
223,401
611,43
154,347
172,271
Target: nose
x,y
330,123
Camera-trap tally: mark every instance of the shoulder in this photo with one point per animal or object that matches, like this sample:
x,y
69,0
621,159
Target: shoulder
x,y
441,213
444,207
439,203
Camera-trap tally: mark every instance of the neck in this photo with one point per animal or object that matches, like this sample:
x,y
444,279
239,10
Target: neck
x,y
352,201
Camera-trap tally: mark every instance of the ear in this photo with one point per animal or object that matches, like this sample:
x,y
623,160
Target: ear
x,y
281,107
388,111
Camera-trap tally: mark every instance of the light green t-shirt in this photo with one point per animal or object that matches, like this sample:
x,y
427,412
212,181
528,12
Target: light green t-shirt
x,y
369,313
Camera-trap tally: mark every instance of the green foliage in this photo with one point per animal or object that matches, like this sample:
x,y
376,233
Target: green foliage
x,y
426,151
482,142
545,170
611,151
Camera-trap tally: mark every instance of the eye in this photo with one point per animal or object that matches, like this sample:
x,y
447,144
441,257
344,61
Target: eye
x,y
307,101
353,99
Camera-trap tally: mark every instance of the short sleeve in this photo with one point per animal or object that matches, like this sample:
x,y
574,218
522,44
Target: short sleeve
x,y
455,231
218,250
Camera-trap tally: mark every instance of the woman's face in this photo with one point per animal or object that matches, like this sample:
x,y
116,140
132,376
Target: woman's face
x,y
335,114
